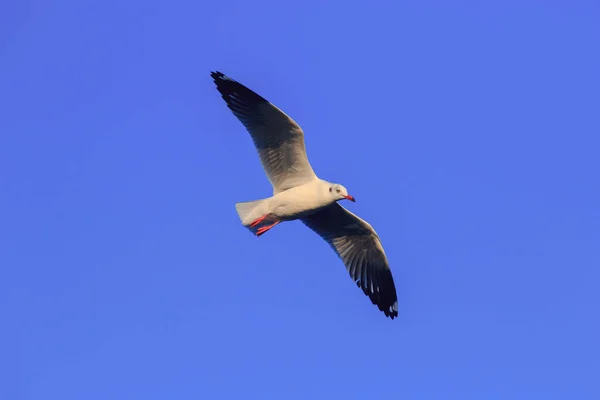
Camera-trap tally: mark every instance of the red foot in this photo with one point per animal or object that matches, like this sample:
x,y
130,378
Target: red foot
x,y
263,229
258,221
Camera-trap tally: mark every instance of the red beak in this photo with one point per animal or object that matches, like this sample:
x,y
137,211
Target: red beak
x,y
350,198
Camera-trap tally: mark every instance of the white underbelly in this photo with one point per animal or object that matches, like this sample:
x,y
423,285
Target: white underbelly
x,y
296,203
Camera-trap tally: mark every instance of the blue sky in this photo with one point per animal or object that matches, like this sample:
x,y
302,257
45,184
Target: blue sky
x,y
468,131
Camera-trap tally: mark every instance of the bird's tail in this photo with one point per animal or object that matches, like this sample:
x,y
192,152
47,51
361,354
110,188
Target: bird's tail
x,y
250,211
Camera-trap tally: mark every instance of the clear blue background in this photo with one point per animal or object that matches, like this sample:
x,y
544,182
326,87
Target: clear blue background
x,y
468,131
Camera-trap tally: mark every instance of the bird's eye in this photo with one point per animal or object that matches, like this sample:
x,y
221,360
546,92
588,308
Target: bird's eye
x,y
337,190
330,189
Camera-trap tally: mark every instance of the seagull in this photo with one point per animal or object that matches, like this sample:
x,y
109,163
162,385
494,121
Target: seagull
x,y
298,194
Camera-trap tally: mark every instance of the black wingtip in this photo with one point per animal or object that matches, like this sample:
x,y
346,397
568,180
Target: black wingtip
x,y
216,75
385,297
389,306
239,98
222,80
385,300
392,311
389,309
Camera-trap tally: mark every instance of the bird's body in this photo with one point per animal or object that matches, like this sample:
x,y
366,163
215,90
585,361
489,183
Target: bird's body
x,y
298,194
291,204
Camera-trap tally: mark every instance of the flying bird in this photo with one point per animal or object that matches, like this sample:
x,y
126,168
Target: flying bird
x,y
298,194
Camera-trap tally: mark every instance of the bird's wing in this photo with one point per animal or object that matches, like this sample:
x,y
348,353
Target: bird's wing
x,y
278,138
359,247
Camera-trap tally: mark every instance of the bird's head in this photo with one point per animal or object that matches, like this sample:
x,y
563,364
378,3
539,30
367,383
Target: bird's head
x,y
339,192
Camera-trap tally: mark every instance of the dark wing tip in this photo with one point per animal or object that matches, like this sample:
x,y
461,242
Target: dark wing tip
x,y
361,252
377,283
238,97
387,300
385,297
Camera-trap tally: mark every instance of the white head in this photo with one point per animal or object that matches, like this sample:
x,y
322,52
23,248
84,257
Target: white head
x,y
339,192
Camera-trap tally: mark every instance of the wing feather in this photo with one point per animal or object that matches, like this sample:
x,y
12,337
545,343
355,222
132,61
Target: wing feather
x,y
359,247
278,139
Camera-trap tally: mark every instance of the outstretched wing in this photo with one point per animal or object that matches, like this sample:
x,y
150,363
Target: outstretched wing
x,y
278,138
359,247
